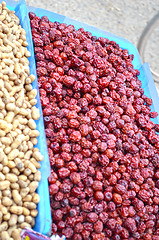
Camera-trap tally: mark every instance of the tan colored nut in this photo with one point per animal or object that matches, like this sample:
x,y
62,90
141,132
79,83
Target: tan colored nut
x,y
16,234
11,164
27,81
23,112
25,225
18,210
32,124
22,184
24,192
3,124
2,176
19,164
13,220
28,154
31,177
28,87
5,236
2,133
10,106
27,171
22,177
33,102
36,198
15,171
17,69
16,196
32,167
7,193
10,229
34,141
34,213
26,131
30,205
3,209
32,77
30,145
5,140
34,133
27,198
35,113
27,53
16,143
1,84
14,186
26,211
4,185
33,186
3,226
37,176
36,163
13,154
21,219
32,94
7,150
15,124
38,156
8,86
23,121
12,76
11,177
5,171
9,117
2,17
28,219
6,201
6,217
33,222
21,155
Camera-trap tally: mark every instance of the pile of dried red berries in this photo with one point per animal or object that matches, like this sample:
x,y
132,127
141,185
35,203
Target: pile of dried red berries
x,y
103,146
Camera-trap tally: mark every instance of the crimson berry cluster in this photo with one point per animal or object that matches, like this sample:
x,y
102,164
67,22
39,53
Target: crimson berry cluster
x,y
103,146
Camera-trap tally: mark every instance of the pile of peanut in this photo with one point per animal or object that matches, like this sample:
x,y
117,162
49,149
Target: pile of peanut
x,y
19,160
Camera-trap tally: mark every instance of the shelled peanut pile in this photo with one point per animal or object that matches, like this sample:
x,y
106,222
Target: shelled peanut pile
x,y
19,160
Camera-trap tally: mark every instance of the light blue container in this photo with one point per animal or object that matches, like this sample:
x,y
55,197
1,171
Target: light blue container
x,y
43,220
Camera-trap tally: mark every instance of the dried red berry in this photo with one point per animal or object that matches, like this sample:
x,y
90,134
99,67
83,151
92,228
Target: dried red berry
x,y
102,143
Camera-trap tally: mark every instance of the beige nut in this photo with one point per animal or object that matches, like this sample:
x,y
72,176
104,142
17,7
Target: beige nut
x,y
3,226
38,156
35,113
16,196
4,185
5,236
16,210
13,220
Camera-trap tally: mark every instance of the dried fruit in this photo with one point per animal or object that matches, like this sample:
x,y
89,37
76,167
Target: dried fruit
x,y
102,143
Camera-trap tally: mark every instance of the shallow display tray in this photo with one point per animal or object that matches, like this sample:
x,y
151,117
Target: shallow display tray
x,y
43,220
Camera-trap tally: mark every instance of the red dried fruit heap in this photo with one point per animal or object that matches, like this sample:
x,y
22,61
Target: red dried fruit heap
x,y
103,146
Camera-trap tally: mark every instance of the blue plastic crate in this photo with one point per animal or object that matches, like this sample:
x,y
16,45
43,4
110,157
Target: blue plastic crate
x,y
43,219
145,73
